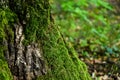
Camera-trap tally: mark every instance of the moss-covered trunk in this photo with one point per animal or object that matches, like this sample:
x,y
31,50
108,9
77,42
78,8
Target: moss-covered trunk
x,y
31,46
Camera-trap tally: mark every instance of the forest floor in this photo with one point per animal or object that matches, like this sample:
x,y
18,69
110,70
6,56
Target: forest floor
x,y
103,68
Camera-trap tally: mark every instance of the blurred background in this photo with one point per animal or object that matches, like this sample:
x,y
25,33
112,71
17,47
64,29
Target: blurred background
x,y
93,28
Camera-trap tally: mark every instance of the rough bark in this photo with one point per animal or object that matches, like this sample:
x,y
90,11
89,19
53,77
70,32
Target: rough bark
x,y
33,46
25,62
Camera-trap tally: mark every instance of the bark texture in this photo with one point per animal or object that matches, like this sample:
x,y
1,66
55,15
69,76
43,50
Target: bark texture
x,y
25,62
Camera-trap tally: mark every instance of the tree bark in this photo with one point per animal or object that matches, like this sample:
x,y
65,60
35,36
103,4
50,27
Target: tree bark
x,y
33,46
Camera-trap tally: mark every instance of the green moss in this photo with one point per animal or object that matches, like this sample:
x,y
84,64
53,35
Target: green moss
x,y
5,19
4,70
80,65
61,59
36,20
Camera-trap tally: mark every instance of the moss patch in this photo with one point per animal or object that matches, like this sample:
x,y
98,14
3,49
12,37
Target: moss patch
x,y
6,17
4,70
61,58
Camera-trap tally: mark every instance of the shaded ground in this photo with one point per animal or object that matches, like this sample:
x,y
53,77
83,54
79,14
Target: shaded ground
x,y
103,68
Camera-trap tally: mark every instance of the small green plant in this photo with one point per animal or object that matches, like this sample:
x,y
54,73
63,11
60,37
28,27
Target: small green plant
x,y
88,23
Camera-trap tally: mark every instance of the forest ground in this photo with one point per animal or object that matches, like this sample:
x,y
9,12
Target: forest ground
x,y
103,67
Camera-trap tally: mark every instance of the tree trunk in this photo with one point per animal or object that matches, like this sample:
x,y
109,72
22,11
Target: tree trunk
x,y
33,46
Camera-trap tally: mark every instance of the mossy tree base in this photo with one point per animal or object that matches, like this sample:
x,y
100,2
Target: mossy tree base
x,y
33,45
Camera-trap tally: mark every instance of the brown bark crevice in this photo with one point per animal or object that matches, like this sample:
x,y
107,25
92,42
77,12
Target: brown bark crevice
x,y
25,62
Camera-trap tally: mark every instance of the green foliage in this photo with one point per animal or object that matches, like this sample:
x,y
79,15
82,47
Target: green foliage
x,y
89,24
